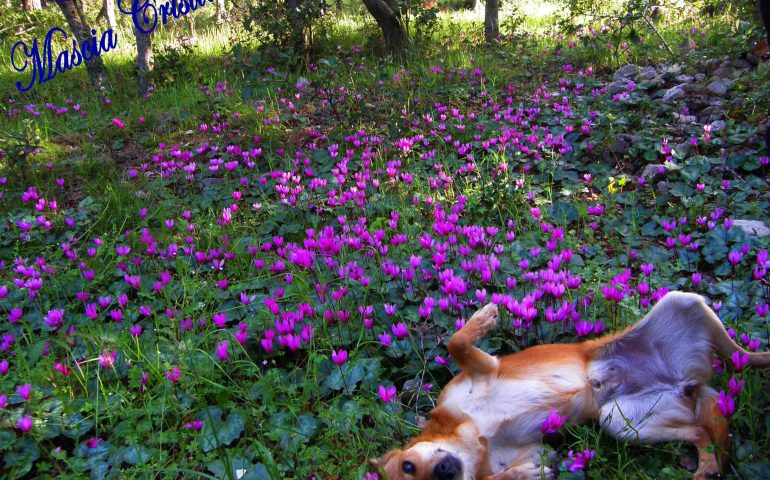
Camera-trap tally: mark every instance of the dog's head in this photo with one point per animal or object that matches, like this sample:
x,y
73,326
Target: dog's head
x,y
458,455
424,461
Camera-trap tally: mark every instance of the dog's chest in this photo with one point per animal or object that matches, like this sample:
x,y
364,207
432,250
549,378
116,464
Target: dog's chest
x,y
510,412
500,407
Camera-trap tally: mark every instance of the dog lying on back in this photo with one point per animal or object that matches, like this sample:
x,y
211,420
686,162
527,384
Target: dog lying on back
x,y
648,383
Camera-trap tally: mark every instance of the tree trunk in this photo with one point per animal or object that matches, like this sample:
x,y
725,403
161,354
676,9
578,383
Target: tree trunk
x,y
386,16
31,5
764,13
97,72
297,23
221,12
144,59
469,4
109,13
491,23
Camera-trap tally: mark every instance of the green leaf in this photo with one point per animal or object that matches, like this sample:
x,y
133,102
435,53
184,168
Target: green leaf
x,y
137,454
348,375
216,431
22,458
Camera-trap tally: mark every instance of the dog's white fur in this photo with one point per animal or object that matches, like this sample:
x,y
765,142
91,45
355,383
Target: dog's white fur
x,y
648,383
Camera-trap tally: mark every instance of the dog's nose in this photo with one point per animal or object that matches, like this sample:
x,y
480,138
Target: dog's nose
x,y
449,468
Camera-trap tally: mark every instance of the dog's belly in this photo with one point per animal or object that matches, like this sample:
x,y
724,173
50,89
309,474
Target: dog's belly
x,y
509,412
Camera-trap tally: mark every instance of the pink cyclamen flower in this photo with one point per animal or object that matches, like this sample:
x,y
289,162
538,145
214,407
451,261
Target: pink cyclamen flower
x,y
736,386
24,391
62,368
54,318
553,422
339,356
135,330
740,360
4,366
107,359
173,375
387,394
400,330
3,401
118,123
222,350
93,442
220,319
580,461
726,404
194,425
25,424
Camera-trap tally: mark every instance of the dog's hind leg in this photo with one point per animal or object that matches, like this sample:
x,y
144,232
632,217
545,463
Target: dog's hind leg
x,y
667,415
462,346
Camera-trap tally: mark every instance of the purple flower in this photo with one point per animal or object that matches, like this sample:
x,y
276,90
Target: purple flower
x,y
736,386
399,330
194,425
24,391
135,330
726,404
580,461
222,350
740,360
220,319
387,394
553,422
339,356
93,442
54,318
25,424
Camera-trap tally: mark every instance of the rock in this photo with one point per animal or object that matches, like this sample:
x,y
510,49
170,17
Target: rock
x,y
671,71
684,119
718,125
626,71
725,71
699,77
663,187
674,93
648,73
684,78
617,86
623,143
653,169
711,113
684,149
711,65
741,64
717,87
755,228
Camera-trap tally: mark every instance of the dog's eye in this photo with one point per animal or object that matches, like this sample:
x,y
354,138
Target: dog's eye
x,y
408,467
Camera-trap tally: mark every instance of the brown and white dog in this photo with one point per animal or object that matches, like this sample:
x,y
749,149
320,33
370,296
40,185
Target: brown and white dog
x,y
648,383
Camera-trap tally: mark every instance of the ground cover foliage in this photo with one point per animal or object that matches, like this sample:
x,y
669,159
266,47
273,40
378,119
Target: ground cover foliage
x,y
253,273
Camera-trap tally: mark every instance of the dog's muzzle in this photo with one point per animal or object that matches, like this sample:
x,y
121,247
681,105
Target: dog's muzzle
x,y
449,468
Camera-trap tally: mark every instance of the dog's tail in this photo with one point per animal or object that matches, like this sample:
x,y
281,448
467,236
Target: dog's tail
x,y
721,343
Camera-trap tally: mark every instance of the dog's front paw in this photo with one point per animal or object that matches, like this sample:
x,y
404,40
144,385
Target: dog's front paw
x,y
527,471
484,319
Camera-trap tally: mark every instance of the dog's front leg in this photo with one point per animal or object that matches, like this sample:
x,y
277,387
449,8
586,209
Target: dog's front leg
x,y
528,471
462,346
